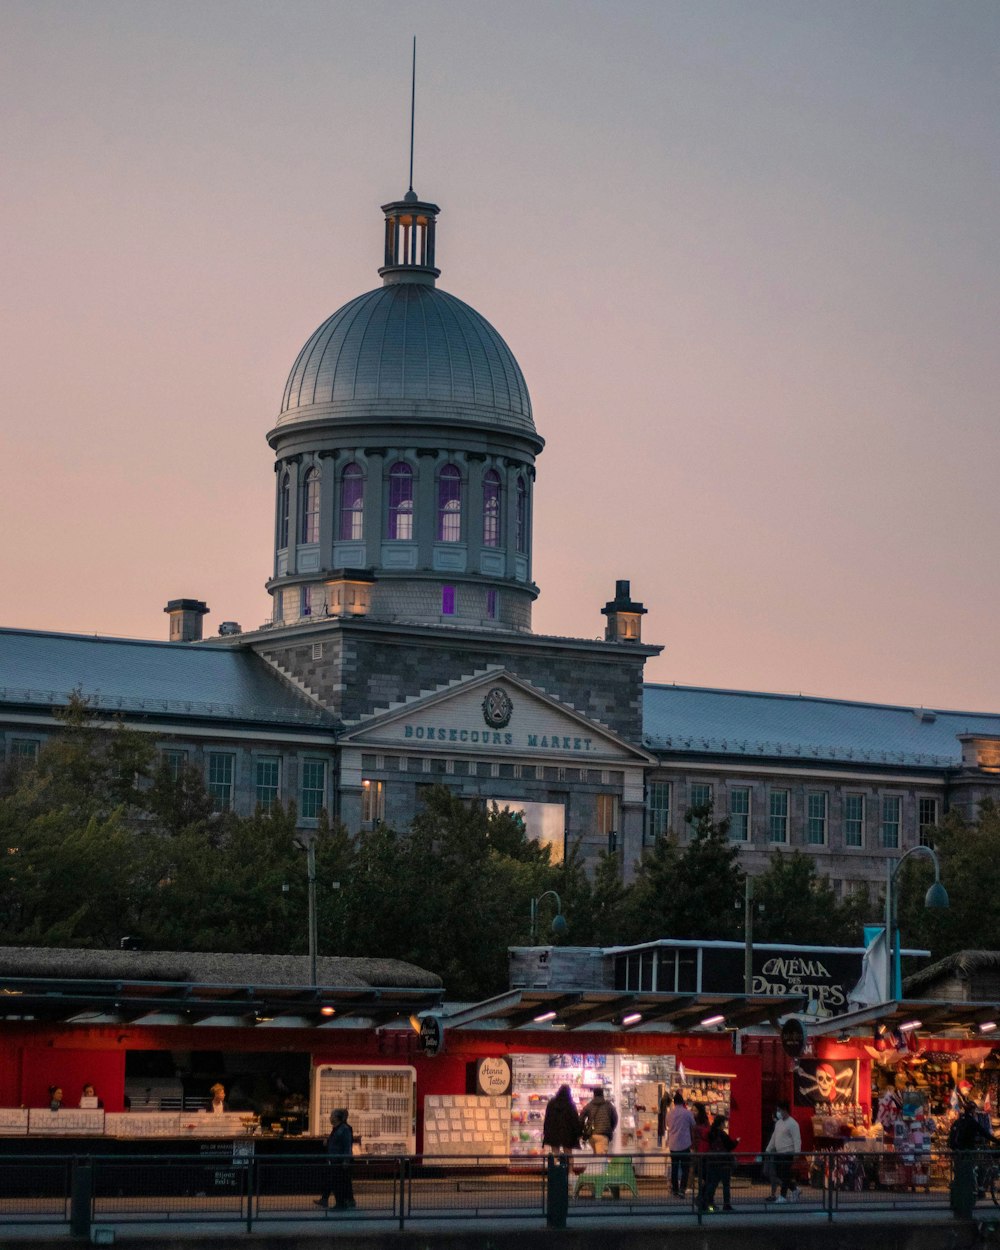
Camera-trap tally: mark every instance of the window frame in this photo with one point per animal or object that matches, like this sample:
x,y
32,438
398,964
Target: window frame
x,y
309,502
351,527
311,810
222,792
849,820
267,805
492,509
372,801
284,509
773,816
402,512
924,825
657,813
890,802
739,820
449,504
521,526
817,821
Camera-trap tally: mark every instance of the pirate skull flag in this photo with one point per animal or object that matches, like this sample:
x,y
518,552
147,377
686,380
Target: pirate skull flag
x,y
825,1081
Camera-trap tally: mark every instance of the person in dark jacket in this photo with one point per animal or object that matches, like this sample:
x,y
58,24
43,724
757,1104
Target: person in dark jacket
x,y
718,1165
340,1148
561,1128
599,1120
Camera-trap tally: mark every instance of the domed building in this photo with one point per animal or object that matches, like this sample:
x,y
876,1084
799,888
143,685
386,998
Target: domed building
x,y
405,453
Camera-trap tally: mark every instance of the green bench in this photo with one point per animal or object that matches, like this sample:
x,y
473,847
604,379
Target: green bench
x,y
615,1173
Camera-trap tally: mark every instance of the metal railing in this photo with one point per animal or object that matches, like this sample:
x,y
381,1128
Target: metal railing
x,y
236,1186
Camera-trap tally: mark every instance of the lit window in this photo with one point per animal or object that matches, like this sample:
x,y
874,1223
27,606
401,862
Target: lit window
x,y
492,604
173,762
220,780
267,779
891,808
283,509
450,505
522,517
401,502
739,813
306,601
927,819
657,810
778,827
312,797
816,818
608,819
309,520
352,503
447,600
372,802
491,509
854,820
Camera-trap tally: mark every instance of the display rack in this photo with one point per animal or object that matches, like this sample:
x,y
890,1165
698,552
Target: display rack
x,y
380,1103
466,1125
534,1080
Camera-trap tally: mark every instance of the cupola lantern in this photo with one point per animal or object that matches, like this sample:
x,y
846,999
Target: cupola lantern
x,y
409,241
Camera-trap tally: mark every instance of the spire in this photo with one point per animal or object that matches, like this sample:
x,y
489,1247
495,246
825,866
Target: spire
x,y
410,222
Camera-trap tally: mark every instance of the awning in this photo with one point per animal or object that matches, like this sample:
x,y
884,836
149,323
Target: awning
x,y
930,1016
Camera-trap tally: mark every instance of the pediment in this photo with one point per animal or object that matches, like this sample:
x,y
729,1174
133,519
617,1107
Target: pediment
x,y
494,713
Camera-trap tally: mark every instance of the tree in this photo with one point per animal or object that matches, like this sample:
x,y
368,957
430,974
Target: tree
x,y
794,903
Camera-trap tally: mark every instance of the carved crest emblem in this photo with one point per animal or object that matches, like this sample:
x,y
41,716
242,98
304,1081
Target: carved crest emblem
x,y
498,707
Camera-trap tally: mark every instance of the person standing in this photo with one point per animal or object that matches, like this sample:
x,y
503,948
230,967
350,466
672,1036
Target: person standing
x,y
561,1127
785,1144
340,1148
599,1121
699,1142
719,1164
680,1139
217,1103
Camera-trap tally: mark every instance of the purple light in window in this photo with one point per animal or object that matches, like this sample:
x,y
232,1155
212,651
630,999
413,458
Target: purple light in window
x,y
447,600
491,604
450,505
491,509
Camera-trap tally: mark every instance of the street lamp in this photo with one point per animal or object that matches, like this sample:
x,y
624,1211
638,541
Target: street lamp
x,y
559,925
936,896
307,843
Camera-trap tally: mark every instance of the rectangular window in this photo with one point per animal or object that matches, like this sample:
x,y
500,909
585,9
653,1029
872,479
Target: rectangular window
x,y
891,808
312,797
173,762
816,818
927,819
608,819
492,600
854,820
306,602
267,779
372,802
23,749
739,813
699,798
220,780
657,810
778,827
447,600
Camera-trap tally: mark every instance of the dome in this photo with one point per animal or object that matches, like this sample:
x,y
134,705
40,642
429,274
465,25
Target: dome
x,y
405,345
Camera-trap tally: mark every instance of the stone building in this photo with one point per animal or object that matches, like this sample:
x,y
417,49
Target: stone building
x,y
400,653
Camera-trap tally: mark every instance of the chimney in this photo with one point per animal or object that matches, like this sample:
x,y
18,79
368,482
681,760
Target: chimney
x,y
185,619
624,616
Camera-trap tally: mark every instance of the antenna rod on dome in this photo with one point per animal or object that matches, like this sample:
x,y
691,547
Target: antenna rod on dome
x,y
413,105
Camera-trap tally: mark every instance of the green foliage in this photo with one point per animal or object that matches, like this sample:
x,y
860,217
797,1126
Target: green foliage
x,y
792,901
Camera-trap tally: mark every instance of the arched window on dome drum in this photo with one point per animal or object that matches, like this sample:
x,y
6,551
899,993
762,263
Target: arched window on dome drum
x,y
491,509
522,517
450,505
401,502
283,510
352,503
309,512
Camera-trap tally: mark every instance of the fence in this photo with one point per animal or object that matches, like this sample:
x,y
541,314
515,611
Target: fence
x,y
238,1187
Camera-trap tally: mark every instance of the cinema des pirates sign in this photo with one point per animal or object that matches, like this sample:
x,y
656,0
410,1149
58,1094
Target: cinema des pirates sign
x,y
823,978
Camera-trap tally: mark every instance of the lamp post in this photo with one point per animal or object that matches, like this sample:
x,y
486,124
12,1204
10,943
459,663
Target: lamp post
x,y
936,896
558,921
307,843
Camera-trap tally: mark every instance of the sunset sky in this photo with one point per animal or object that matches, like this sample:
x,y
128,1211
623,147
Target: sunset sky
x,y
746,254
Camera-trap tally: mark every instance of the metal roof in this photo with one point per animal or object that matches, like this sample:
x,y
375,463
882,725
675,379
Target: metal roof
x,y
403,345
166,678
696,721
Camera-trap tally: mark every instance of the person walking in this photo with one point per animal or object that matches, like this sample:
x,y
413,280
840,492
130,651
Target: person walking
x,y
719,1165
561,1127
785,1144
599,1121
965,1137
680,1139
340,1148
